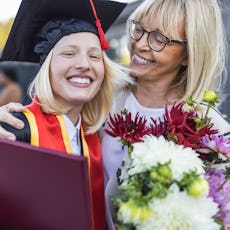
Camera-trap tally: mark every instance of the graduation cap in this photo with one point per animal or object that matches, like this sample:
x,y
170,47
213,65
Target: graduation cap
x,y
33,15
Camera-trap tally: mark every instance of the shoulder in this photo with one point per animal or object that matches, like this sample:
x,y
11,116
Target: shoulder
x,y
21,134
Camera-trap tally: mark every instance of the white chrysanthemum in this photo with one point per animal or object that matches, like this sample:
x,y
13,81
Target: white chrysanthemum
x,y
158,150
181,211
125,169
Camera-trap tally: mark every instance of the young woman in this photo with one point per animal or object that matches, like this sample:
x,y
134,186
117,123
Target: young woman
x,y
73,90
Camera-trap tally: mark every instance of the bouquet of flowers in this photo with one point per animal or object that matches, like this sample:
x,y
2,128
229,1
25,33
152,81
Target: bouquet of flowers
x,y
167,180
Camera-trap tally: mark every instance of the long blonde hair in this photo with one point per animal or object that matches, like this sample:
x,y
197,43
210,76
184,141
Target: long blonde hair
x,y
205,40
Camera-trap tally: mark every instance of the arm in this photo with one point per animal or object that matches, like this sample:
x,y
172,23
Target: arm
x,y
7,117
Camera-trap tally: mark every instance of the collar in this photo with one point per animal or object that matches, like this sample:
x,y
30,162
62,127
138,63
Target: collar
x,y
71,128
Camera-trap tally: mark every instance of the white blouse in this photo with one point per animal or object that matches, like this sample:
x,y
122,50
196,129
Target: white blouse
x,y
112,152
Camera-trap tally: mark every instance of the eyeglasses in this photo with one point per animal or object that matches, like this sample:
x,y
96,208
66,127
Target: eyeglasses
x,y
156,40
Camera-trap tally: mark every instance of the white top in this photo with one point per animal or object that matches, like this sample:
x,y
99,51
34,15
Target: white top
x,y
74,135
112,153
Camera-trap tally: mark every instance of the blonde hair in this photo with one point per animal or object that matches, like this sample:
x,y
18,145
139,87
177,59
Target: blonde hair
x,y
205,40
95,112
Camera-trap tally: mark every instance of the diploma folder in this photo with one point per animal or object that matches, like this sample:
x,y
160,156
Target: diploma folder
x,y
42,189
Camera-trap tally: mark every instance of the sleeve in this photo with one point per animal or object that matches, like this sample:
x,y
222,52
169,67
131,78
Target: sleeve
x,y
21,134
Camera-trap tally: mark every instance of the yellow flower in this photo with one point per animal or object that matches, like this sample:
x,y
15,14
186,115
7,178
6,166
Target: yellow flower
x,y
210,96
162,173
131,212
198,187
165,171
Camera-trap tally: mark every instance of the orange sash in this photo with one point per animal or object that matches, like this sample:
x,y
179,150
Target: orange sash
x,y
48,130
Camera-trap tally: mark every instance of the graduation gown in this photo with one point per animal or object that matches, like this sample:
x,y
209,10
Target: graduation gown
x,y
49,131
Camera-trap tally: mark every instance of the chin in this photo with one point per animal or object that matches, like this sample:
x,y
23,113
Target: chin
x,y
135,73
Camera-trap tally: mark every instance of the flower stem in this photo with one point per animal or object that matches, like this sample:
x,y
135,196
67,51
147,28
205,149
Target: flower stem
x,y
222,185
206,113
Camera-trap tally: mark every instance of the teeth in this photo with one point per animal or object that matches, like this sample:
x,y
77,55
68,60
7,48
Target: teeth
x,y
80,80
140,60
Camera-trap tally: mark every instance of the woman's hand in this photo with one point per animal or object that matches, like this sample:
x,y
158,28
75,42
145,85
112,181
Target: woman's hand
x,y
7,117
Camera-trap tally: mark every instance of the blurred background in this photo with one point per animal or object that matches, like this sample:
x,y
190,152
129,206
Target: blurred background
x,y
118,45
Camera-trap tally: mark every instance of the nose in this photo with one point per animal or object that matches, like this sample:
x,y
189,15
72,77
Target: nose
x,y
82,62
142,43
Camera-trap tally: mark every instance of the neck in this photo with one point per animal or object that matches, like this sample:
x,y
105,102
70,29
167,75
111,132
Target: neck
x,y
152,95
73,115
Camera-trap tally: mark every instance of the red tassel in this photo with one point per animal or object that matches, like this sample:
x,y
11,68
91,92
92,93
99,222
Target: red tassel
x,y
104,43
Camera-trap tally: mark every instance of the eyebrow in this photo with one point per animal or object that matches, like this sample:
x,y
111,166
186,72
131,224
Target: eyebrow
x,y
76,46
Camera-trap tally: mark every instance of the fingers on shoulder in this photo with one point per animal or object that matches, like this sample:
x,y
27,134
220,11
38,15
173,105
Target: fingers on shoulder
x,y
12,107
8,118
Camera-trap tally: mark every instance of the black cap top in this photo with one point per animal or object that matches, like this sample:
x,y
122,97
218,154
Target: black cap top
x,y
54,30
34,14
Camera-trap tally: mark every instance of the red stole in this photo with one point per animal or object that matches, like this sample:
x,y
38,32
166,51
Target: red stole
x,y
48,130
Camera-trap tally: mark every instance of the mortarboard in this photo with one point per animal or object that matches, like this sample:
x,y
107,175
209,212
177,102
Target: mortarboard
x,y
34,14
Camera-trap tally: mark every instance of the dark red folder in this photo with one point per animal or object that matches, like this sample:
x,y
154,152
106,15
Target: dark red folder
x,y
41,189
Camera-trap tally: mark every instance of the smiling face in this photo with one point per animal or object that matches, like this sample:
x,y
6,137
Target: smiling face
x,y
149,65
77,69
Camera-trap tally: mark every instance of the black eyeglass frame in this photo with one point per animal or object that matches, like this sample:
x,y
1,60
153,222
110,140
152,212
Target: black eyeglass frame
x,y
168,40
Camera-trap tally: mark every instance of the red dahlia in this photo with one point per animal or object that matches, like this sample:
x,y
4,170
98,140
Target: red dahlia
x,y
130,131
